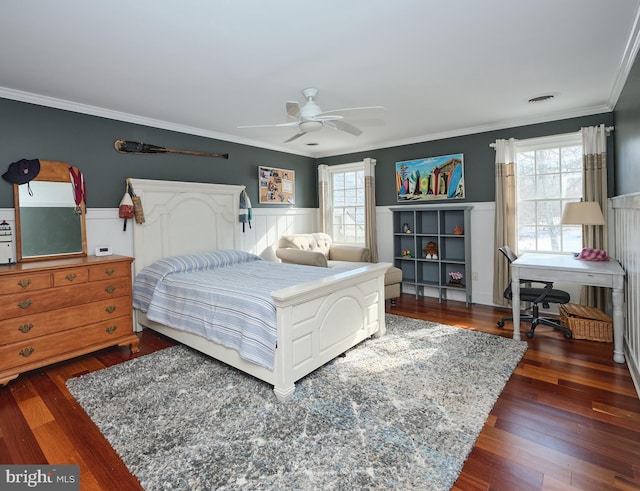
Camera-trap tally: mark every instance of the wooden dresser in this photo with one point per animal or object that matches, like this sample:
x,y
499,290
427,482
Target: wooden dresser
x,y
56,309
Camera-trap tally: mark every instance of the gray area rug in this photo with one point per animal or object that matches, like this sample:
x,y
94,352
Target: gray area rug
x,y
399,412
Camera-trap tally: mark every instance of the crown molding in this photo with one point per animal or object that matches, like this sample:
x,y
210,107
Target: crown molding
x,y
156,123
42,100
514,123
627,61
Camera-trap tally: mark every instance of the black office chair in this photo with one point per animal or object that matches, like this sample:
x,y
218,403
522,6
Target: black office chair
x,y
536,296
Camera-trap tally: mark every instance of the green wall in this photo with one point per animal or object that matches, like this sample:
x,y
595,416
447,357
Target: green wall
x,y
479,158
32,131
627,134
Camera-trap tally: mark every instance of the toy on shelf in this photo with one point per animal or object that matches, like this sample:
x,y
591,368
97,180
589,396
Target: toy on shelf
x,y
455,278
458,230
430,250
406,253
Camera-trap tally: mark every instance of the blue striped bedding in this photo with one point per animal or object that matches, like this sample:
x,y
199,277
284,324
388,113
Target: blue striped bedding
x,y
224,296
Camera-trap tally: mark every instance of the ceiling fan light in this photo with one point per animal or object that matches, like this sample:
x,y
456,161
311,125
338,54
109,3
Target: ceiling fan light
x,y
309,126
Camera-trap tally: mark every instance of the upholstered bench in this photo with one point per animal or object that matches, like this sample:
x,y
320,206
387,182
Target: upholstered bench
x,y
317,249
392,282
392,278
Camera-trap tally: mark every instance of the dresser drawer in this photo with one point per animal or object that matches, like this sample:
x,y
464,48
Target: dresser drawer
x,y
25,282
70,277
41,348
23,304
57,309
23,328
109,270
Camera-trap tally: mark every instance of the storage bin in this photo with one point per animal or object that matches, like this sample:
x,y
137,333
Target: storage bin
x,y
587,322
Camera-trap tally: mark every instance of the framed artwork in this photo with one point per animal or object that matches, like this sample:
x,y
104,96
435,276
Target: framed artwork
x,y
277,186
432,178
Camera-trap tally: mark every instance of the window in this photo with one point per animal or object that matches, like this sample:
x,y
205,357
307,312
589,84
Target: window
x,y
548,175
346,200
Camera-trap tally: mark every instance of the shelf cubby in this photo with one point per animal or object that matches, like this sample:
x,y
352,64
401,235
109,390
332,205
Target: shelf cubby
x,y
446,226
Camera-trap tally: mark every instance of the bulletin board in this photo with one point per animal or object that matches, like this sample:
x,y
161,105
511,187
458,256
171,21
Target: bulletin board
x,y
277,186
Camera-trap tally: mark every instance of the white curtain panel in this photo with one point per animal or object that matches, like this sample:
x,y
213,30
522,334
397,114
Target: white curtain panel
x,y
594,188
323,198
594,182
370,208
505,215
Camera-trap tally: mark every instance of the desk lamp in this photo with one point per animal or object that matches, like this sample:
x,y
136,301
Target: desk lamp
x,y
582,213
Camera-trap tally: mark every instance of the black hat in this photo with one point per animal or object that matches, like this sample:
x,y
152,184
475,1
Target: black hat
x,y
22,171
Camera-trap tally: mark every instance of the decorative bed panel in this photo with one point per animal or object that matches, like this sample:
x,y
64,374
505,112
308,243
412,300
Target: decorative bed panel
x,y
315,320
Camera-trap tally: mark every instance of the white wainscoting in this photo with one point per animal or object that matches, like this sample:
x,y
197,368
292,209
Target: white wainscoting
x,y
104,228
8,215
624,216
268,224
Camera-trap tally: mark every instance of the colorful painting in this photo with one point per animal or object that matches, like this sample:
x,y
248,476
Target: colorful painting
x,y
431,178
277,186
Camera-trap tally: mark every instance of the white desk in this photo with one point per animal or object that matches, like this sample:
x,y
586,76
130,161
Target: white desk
x,y
566,268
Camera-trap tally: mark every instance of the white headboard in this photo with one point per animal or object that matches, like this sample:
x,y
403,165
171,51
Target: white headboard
x,y
184,218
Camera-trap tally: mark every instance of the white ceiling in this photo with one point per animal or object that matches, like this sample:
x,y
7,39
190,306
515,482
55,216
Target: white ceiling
x,y
440,68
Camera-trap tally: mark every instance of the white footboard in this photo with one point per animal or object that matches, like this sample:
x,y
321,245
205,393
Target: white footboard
x,y
322,319
317,321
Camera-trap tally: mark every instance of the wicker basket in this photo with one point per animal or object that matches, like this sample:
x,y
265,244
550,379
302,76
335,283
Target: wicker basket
x,y
587,322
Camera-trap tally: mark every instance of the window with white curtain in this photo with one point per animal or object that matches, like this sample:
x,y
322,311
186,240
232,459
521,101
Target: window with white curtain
x,y
548,175
346,202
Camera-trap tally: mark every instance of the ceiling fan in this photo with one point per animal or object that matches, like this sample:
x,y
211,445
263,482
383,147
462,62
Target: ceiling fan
x,y
310,117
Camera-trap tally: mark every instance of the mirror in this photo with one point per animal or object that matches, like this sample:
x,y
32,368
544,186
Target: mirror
x,y
48,223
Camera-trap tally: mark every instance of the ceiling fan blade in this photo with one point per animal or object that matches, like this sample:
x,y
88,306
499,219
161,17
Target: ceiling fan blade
x,y
346,127
293,109
302,133
293,123
347,109
329,117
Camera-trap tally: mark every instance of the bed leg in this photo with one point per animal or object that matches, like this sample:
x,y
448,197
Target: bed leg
x,y
284,394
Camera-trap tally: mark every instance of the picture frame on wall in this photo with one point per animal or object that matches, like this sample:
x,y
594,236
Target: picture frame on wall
x,y
431,178
276,186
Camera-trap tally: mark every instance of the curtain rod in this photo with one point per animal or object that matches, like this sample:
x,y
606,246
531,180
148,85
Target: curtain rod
x,y
608,130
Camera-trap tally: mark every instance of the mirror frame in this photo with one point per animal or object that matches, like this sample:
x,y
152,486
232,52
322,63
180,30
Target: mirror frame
x,y
52,171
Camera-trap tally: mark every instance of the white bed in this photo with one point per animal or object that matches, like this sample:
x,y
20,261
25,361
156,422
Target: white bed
x,y
316,321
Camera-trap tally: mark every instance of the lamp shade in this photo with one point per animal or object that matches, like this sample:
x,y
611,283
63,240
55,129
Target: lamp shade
x,y
582,213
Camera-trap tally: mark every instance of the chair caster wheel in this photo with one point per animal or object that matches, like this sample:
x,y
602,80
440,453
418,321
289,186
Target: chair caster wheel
x,y
529,334
500,324
568,335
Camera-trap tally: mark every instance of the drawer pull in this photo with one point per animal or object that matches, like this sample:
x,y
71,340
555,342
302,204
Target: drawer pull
x,y
25,328
24,283
109,271
26,352
70,277
111,309
111,329
25,304
110,289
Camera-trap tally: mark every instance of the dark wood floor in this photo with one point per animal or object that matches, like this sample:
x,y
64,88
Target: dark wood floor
x,y
569,417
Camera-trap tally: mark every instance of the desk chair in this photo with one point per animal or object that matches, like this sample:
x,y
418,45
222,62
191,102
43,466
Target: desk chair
x,y
536,296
